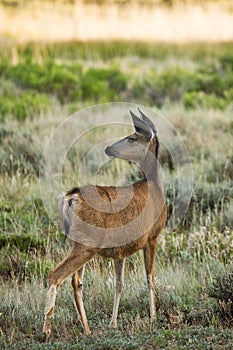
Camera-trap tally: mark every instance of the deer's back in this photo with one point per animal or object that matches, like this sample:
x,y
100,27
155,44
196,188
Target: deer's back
x,y
121,219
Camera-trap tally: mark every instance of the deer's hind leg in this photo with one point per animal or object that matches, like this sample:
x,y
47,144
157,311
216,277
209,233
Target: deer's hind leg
x,y
78,256
77,286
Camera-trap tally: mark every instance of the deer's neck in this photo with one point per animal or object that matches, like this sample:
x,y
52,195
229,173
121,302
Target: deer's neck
x,y
150,170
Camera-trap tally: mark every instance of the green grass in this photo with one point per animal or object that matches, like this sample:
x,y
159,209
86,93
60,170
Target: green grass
x,y
99,72
192,86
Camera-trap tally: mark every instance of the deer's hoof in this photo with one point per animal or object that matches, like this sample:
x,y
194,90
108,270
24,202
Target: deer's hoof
x,y
113,324
47,330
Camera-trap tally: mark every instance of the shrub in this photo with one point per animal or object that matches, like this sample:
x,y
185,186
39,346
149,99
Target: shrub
x,y
226,61
169,84
18,152
24,242
199,99
8,88
212,202
174,81
196,88
228,94
27,104
20,265
204,87
209,81
103,84
221,290
49,77
202,245
27,256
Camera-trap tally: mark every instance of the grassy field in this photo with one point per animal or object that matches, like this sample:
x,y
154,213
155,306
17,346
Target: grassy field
x,y
191,85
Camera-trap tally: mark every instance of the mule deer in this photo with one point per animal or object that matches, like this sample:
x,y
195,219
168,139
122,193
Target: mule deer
x,y
144,214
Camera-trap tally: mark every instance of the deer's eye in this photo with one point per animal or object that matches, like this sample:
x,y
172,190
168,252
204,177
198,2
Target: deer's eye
x,y
130,139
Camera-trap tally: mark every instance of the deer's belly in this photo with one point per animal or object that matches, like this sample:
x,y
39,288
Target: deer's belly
x,y
126,250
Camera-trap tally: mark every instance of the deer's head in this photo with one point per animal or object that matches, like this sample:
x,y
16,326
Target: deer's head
x,y
137,146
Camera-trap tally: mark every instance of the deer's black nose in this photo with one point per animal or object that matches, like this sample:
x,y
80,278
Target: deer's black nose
x,y
108,151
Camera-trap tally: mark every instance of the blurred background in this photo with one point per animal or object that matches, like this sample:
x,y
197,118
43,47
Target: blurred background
x,y
175,57
150,20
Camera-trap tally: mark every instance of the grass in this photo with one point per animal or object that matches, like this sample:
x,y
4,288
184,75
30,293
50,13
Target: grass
x,y
192,86
183,319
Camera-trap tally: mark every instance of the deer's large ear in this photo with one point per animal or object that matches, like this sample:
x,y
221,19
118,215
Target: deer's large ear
x,y
141,127
148,122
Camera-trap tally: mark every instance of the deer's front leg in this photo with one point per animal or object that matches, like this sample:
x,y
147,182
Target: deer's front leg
x,y
149,260
49,309
119,265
